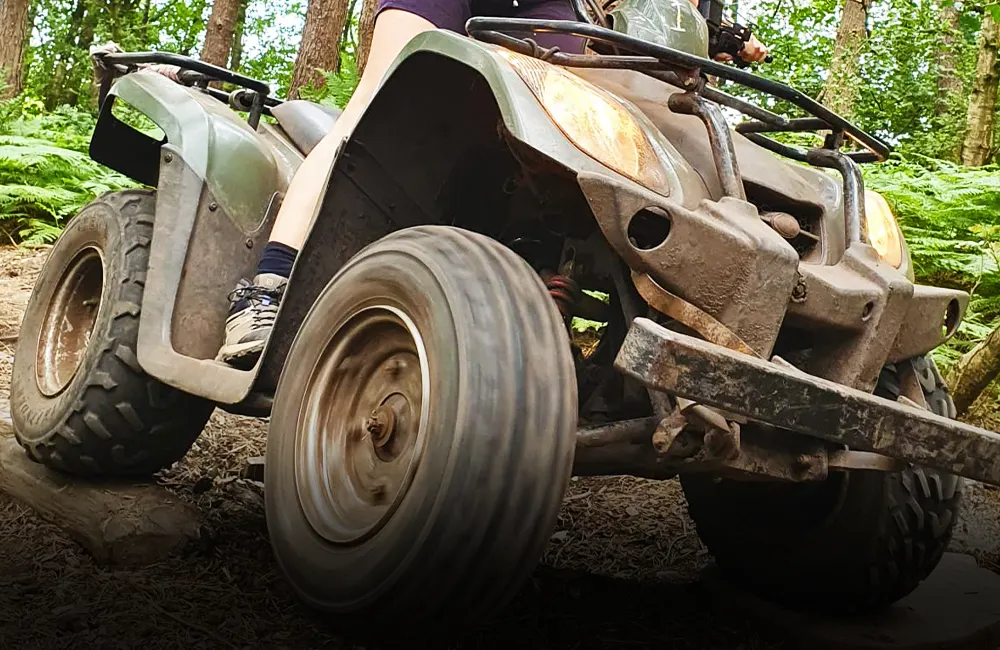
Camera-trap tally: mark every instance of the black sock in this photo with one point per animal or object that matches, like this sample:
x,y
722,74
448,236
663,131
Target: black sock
x,y
277,259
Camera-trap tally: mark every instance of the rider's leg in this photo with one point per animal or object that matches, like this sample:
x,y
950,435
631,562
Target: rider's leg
x,y
255,303
393,29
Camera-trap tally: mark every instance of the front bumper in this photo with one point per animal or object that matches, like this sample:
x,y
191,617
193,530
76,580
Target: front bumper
x,y
798,402
846,319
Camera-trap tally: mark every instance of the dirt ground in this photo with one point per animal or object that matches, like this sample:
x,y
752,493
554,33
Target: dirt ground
x,y
620,572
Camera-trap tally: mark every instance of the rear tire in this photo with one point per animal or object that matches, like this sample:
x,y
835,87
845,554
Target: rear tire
x,y
857,542
80,402
441,515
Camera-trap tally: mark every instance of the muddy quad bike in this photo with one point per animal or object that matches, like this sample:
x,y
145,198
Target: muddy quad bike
x,y
763,338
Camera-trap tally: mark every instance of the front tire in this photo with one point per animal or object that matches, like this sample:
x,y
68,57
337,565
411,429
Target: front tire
x,y
422,434
80,402
857,542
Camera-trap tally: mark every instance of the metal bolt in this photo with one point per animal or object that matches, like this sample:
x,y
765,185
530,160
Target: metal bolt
x,y
168,158
803,462
249,243
213,206
374,426
800,292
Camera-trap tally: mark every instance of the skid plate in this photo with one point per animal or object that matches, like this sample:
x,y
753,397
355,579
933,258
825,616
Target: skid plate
x,y
789,399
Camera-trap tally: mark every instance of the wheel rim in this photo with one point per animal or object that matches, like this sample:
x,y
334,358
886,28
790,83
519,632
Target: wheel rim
x,y
361,427
69,322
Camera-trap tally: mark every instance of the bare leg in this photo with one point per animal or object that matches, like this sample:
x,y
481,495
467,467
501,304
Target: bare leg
x,y
393,30
255,306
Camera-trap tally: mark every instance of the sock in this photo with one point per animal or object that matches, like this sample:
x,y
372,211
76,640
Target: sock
x,y
277,258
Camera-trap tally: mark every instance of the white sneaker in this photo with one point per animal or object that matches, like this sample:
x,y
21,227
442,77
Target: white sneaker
x,y
255,306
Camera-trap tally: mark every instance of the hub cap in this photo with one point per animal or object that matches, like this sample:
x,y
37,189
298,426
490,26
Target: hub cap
x,y
69,322
361,425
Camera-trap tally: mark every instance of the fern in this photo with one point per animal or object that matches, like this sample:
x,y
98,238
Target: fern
x,y
950,216
45,175
337,87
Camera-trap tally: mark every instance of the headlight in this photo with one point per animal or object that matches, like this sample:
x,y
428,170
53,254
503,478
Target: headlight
x,y
594,120
883,231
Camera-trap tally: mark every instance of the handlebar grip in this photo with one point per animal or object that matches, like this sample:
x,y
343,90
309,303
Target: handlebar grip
x,y
192,78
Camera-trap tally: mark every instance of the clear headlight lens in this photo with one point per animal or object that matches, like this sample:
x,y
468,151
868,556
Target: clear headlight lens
x,y
883,231
593,119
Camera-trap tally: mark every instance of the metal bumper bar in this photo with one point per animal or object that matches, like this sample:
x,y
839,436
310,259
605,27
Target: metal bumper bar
x,y
788,399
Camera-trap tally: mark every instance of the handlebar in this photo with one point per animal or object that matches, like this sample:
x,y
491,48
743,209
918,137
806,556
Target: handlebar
x,y
193,78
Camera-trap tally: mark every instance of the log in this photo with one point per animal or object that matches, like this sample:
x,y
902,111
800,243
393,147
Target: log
x,y
976,370
119,524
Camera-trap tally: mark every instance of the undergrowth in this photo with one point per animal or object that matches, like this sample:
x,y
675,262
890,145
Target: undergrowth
x,y
950,216
46,175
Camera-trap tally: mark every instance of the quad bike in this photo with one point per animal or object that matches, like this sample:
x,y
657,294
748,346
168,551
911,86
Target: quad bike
x,y
764,338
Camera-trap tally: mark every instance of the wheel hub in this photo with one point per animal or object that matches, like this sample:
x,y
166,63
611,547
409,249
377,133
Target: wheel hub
x,y
69,322
360,433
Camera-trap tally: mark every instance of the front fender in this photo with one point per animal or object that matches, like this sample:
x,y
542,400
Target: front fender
x,y
445,97
525,119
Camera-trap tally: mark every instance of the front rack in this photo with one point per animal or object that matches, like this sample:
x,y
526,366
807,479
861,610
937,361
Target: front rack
x,y
255,100
689,72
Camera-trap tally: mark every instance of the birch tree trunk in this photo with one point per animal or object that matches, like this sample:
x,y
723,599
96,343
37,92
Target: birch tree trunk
x,y
949,85
840,91
236,53
978,145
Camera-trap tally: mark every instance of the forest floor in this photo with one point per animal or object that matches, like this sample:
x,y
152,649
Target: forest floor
x,y
620,572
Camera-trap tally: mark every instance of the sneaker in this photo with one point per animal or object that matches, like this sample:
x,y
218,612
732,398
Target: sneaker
x,y
251,317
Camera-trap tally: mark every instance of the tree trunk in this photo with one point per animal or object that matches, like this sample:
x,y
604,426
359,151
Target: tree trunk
x,y
13,38
320,48
949,84
346,36
55,89
840,90
236,54
219,32
976,370
366,27
978,145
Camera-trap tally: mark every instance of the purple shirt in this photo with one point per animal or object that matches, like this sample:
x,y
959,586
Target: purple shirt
x,y
453,14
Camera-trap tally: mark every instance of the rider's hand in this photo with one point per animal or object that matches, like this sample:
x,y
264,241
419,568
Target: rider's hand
x,y
753,52
108,48
168,71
